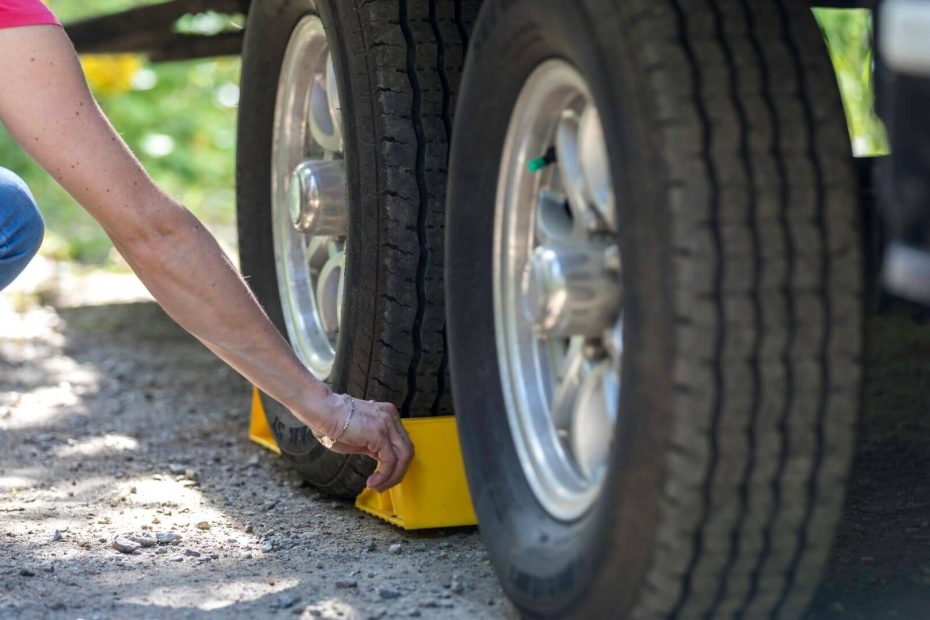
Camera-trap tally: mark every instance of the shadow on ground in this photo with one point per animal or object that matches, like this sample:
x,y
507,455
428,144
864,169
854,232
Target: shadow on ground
x,y
880,566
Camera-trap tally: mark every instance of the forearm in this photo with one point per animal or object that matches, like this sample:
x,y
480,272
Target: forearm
x,y
181,263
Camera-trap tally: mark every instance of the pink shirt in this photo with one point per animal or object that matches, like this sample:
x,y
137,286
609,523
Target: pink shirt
x,y
25,13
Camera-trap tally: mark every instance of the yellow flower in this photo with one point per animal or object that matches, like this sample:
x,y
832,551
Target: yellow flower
x,y
112,74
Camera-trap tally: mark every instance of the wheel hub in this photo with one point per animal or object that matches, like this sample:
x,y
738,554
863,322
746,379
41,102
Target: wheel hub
x,y
317,198
568,290
308,209
558,298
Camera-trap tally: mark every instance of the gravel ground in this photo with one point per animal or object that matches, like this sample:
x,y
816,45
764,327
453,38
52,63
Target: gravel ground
x,y
116,423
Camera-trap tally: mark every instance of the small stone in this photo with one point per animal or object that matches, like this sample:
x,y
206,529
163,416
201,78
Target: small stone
x,y
346,583
175,469
145,541
395,548
457,584
48,568
388,594
192,553
167,538
124,545
162,550
27,572
414,613
371,547
57,537
285,601
203,525
56,606
268,546
249,528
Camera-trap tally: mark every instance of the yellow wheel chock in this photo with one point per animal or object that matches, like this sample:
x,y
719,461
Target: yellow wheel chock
x,y
434,493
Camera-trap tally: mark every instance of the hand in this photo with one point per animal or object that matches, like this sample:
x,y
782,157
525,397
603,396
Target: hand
x,y
375,430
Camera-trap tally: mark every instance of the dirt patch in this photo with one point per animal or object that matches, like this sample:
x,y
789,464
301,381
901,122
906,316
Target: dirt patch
x,y
114,421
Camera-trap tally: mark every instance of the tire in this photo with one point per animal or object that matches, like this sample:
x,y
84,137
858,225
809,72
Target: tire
x,y
742,308
398,63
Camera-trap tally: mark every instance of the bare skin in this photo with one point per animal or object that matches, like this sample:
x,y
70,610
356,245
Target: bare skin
x,y
48,109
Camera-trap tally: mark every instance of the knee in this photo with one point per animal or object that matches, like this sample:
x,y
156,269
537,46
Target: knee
x,y
21,226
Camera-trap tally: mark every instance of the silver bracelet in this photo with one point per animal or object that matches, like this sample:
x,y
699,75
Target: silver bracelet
x,y
329,442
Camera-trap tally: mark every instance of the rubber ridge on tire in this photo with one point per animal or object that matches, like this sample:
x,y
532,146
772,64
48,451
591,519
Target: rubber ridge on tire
x,y
769,299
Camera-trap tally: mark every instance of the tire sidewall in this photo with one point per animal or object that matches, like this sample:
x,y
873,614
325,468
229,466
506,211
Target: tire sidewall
x,y
594,564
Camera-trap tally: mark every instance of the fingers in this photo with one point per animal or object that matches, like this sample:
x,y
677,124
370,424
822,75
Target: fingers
x,y
395,453
379,481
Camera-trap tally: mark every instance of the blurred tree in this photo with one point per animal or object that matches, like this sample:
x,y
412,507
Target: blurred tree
x,y
849,38
178,118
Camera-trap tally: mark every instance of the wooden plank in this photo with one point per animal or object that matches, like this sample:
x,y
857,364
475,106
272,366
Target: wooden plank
x,y
149,29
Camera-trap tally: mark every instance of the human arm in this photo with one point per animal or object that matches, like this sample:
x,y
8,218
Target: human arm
x,y
47,107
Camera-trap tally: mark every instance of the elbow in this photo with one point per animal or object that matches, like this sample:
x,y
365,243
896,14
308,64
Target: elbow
x,y
155,239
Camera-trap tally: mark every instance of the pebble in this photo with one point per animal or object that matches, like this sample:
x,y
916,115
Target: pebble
x,y
436,605
145,541
395,548
192,553
388,594
162,550
371,547
203,525
27,572
457,584
167,538
57,537
285,601
124,545
346,583
268,546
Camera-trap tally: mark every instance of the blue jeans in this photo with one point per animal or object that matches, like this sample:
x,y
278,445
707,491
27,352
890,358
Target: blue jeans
x,y
21,226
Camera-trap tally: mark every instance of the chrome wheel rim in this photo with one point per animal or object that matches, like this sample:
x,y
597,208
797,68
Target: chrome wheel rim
x,y
308,209
557,290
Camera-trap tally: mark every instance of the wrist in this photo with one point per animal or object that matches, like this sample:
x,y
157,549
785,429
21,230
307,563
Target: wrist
x,y
323,411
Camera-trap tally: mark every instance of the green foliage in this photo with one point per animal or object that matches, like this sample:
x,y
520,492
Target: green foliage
x,y
849,37
178,118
